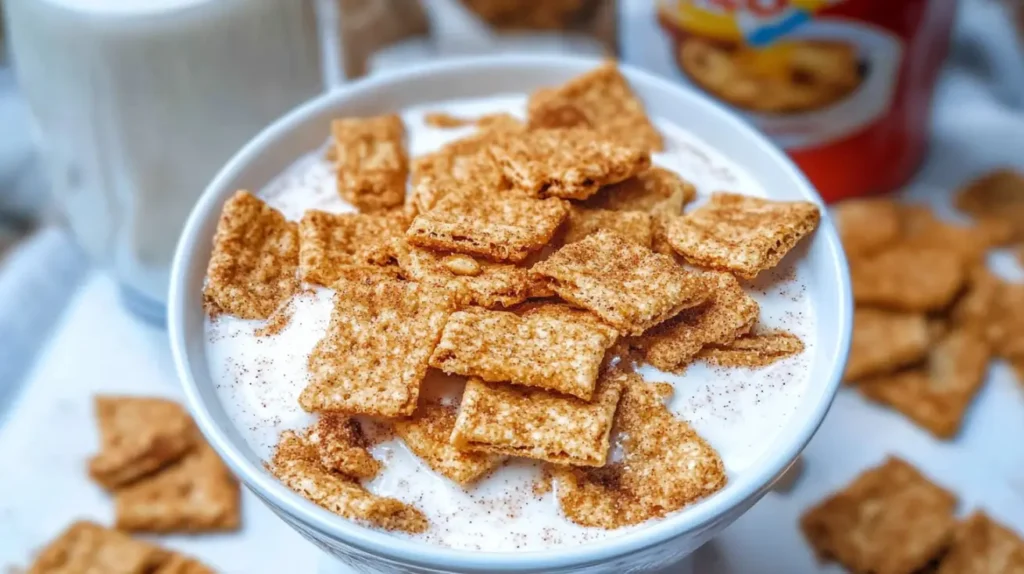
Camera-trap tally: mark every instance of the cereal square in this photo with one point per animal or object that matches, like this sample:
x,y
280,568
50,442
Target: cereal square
x,y
890,519
885,341
471,281
255,256
975,308
741,234
908,279
178,564
983,546
511,420
501,228
921,228
428,435
296,463
375,351
868,225
600,99
552,347
86,548
666,465
196,494
727,313
633,225
996,195
753,351
342,446
569,163
371,161
937,396
627,285
138,435
655,191
329,242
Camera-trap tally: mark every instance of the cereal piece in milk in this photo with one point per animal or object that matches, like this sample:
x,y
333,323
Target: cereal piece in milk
x,y
342,446
513,420
627,285
500,228
296,463
255,255
374,354
884,341
728,313
447,121
329,242
138,435
890,519
569,163
983,546
868,225
753,351
921,228
601,100
558,349
428,435
666,465
371,161
996,195
633,225
741,234
908,279
471,281
86,547
195,494
656,191
937,395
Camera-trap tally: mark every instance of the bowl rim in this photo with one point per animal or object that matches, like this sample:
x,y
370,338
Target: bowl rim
x,y
752,483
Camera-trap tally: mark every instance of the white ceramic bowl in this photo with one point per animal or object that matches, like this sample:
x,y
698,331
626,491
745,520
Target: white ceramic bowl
x,y
654,546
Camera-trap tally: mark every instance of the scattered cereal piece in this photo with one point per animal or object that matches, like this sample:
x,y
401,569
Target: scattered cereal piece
x,y
727,314
921,228
557,348
196,494
178,564
974,309
501,228
371,161
428,435
937,396
471,281
328,242
633,225
518,421
375,351
753,351
656,191
1005,327
625,284
741,234
908,279
869,225
983,546
296,463
600,99
569,163
997,195
86,547
138,435
891,519
255,255
666,466
342,446
884,341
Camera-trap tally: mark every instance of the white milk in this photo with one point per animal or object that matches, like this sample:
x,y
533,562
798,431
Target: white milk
x,y
738,411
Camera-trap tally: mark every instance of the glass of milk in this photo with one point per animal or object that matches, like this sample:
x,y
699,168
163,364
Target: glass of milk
x,y
137,104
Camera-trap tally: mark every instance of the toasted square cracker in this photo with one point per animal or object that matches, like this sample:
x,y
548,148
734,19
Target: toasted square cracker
x,y
138,435
753,351
983,546
633,225
666,465
296,463
371,161
627,285
342,446
997,195
890,519
196,494
885,341
255,256
868,225
428,435
374,354
86,547
728,313
178,564
501,228
471,281
601,100
908,279
937,396
655,191
921,228
570,163
741,234
556,348
512,420
329,242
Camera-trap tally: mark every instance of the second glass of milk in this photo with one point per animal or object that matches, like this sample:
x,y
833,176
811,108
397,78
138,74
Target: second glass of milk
x,y
137,104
